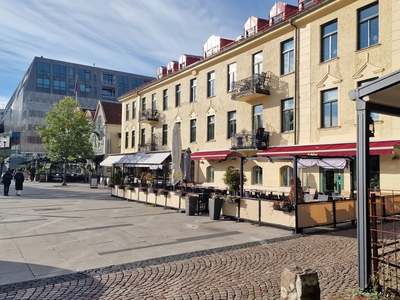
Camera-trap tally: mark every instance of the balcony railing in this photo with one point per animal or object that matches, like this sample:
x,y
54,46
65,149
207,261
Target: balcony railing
x,y
251,87
148,115
148,147
257,139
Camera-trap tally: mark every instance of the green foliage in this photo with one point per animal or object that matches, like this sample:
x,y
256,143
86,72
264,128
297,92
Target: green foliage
x,y
116,178
232,179
66,131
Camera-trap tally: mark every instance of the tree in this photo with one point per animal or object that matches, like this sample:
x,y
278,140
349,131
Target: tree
x,y
66,132
232,179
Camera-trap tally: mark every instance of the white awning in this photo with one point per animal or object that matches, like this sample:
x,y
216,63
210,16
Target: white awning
x,y
129,160
153,159
109,161
326,163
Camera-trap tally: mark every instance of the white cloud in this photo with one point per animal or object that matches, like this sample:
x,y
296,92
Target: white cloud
x,y
134,36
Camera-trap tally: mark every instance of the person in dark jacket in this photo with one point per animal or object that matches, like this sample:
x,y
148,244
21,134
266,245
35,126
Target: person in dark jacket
x,y
7,178
19,181
32,173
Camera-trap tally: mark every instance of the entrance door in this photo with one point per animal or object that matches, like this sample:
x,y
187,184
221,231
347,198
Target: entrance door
x,y
331,180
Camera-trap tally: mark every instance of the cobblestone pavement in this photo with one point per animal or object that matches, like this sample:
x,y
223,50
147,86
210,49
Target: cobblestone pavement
x,y
248,271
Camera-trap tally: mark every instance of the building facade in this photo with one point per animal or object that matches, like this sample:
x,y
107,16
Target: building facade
x,y
282,85
46,82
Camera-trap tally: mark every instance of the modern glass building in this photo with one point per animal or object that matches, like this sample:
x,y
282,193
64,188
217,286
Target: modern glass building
x,y
46,82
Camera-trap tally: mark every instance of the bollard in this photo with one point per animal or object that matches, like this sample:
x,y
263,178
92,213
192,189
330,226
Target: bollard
x,y
300,284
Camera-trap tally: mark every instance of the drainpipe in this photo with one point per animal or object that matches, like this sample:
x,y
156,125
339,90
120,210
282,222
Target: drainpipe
x,y
296,79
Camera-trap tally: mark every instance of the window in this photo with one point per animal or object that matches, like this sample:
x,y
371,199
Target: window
x,y
60,85
153,136
210,128
84,74
231,76
287,115
165,134
177,95
42,68
211,84
287,59
329,108
143,136
193,87
210,174
154,102
165,99
286,175
133,139
258,63
374,116
108,79
71,86
258,116
43,83
59,71
127,112
126,139
134,110
108,92
71,73
193,130
257,175
136,82
123,81
231,123
329,41
143,104
368,26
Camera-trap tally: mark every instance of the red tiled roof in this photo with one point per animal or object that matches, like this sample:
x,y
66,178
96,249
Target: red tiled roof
x,y
112,112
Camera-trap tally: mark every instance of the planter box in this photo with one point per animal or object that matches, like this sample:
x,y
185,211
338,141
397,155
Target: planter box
x,y
214,206
191,205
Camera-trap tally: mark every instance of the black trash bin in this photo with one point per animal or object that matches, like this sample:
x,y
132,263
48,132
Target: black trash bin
x,y
94,181
191,203
215,206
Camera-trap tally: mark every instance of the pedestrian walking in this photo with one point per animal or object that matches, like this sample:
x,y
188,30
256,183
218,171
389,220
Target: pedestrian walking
x,y
32,173
7,178
19,182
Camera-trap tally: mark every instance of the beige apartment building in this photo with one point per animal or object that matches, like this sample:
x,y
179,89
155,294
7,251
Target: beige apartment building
x,y
277,95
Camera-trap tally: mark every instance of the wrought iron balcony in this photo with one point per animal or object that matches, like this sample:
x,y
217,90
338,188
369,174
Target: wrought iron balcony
x,y
257,139
148,147
148,115
251,87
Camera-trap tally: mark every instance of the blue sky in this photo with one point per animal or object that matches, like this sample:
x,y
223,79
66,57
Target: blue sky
x,y
135,36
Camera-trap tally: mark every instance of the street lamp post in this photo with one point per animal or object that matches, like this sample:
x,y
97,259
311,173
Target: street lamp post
x,y
4,147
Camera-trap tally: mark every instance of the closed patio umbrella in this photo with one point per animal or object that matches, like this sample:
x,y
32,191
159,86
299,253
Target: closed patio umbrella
x,y
186,166
176,153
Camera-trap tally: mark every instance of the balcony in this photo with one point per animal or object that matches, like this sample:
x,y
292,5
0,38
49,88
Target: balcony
x,y
255,140
147,147
251,87
148,116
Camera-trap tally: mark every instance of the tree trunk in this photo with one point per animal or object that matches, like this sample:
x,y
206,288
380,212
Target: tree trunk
x,y
65,172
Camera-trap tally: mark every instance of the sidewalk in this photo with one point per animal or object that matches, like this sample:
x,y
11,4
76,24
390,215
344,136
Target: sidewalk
x,y
53,230
79,243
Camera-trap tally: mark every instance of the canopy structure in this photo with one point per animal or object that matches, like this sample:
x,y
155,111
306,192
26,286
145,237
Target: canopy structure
x,y
129,160
153,160
109,161
326,163
333,150
211,155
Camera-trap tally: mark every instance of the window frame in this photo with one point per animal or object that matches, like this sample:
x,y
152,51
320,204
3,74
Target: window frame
x,y
165,134
287,57
193,89
210,174
258,117
286,174
231,123
211,128
127,111
133,137
165,99
330,102
368,20
257,172
284,111
332,38
193,129
126,139
178,89
211,84
231,76
134,110
258,62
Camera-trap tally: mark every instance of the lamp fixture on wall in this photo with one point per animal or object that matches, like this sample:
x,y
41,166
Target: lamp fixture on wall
x,y
371,127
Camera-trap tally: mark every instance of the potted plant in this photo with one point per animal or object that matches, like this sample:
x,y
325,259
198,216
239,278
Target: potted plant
x,y
215,205
191,203
147,177
283,205
232,179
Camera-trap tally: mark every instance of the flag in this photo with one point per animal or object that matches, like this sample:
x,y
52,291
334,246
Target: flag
x,y
76,85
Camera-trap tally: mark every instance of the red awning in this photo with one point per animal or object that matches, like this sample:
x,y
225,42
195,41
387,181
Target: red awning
x,y
210,155
338,150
